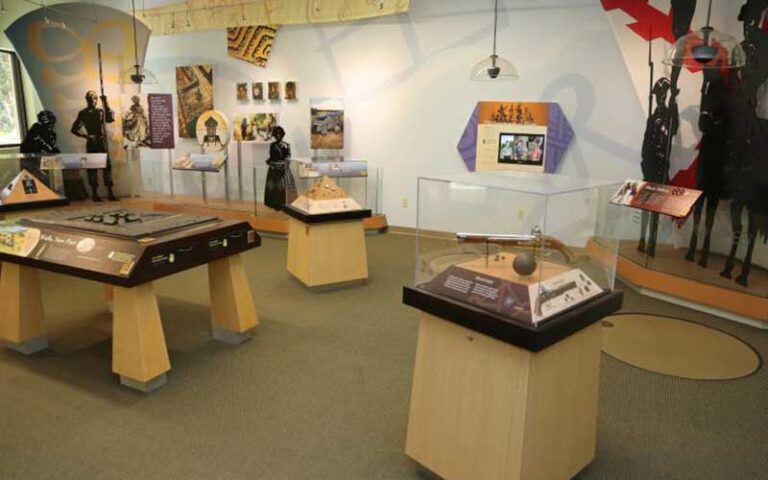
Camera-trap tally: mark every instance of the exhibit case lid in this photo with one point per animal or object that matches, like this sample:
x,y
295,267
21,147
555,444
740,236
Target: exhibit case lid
x,y
515,248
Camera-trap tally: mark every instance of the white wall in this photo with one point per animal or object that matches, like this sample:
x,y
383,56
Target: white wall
x,y
405,83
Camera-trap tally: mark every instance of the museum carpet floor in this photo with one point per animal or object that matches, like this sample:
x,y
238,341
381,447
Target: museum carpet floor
x,y
322,391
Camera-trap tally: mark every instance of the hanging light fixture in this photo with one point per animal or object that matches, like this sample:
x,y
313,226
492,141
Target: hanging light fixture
x,y
494,67
706,48
137,74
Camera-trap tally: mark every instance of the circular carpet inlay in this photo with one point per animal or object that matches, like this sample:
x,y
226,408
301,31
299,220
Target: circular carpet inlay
x,y
677,347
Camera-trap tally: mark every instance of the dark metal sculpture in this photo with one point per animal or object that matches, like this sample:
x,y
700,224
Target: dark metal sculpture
x,y
40,139
280,187
91,124
710,172
748,142
660,128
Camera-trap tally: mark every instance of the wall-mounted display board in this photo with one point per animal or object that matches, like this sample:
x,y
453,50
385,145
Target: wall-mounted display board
x,y
521,136
254,127
194,87
148,121
212,131
326,123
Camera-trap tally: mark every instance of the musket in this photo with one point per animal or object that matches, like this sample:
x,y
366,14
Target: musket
x,y
533,240
107,111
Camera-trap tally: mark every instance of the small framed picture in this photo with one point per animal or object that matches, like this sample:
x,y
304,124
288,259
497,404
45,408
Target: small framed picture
x,y
257,90
242,92
274,91
290,90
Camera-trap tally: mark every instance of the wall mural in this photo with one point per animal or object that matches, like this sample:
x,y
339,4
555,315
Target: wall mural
x,y
251,44
60,56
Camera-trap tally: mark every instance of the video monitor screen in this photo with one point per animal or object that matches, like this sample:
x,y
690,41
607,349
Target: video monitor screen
x,y
521,149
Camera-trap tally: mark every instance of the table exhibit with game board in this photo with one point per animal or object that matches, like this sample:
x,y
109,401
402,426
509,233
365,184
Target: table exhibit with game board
x,y
126,250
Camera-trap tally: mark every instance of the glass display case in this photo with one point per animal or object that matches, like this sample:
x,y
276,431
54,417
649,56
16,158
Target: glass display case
x,y
518,247
356,185
715,254
30,181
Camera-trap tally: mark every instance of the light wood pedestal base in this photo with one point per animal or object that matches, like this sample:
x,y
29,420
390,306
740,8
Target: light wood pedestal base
x,y
483,409
327,253
139,352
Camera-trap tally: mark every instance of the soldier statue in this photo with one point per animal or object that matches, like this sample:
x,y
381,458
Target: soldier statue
x,y
90,124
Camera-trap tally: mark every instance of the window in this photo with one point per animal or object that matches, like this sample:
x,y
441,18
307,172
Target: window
x,y
13,125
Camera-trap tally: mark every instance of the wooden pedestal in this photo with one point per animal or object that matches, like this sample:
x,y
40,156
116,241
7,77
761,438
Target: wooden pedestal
x,y
327,253
139,352
483,409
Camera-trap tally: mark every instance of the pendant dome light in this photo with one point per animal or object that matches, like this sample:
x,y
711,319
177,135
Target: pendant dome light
x,y
137,74
494,67
706,48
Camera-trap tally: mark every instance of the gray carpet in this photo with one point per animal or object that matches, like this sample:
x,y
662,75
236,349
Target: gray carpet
x,y
322,391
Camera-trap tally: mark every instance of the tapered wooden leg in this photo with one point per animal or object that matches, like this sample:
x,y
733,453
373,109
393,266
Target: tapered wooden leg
x,y
21,309
109,296
233,312
139,353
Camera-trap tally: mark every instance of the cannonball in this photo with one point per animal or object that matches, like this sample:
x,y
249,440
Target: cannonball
x,y
524,264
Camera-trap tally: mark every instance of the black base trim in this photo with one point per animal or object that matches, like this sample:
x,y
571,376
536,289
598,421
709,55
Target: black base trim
x,y
15,207
325,217
530,337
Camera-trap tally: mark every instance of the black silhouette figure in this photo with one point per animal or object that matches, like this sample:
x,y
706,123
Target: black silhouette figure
x,y
713,151
280,188
90,124
659,129
41,139
748,143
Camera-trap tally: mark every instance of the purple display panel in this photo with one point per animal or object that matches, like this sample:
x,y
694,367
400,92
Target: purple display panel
x,y
161,121
559,137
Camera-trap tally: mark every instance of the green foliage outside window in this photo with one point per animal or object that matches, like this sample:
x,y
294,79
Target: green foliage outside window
x,y
10,115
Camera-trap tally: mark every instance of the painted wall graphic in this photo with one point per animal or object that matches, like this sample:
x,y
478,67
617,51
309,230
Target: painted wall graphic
x,y
523,136
326,123
251,44
194,87
62,62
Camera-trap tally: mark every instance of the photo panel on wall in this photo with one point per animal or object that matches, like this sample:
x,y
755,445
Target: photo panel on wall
x,y
257,90
274,91
290,90
326,123
254,127
242,92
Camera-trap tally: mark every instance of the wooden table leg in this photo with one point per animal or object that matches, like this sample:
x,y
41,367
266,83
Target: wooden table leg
x,y
21,309
139,353
109,296
233,312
